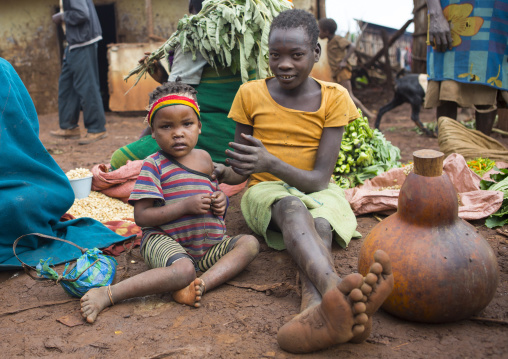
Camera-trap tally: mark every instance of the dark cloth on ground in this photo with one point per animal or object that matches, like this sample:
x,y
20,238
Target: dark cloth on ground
x,y
34,191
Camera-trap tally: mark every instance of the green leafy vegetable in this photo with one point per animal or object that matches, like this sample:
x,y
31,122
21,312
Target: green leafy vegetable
x,y
364,153
228,33
499,183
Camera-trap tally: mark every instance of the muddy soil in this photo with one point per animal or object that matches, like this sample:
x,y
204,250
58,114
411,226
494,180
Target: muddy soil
x,y
241,318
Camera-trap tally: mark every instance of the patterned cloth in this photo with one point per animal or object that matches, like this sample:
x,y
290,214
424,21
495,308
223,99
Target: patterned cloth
x,y
294,131
479,53
167,181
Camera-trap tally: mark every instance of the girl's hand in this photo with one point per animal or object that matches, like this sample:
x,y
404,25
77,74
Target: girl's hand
x,y
198,204
219,171
219,203
249,159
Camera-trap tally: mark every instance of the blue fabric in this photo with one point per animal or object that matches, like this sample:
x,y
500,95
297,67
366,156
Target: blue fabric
x,y
34,191
479,58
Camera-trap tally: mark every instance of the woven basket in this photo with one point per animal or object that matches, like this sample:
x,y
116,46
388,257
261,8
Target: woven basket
x,y
453,137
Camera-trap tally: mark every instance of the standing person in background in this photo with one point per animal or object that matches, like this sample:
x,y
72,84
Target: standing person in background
x,y
78,86
339,49
466,58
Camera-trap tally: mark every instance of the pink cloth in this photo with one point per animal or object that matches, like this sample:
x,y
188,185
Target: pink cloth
x,y
120,183
475,203
230,190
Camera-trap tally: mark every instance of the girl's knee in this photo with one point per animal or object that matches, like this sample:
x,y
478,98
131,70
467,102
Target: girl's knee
x,y
324,229
249,243
289,205
185,269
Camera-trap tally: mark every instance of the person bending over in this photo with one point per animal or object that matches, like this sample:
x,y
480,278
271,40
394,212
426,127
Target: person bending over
x,y
288,133
181,213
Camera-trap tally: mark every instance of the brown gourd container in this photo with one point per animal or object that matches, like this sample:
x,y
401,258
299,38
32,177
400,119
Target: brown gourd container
x,y
443,269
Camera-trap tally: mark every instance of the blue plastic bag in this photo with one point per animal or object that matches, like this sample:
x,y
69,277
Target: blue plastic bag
x,y
92,270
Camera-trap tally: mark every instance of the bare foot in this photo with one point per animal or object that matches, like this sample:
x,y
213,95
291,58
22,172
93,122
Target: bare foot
x,y
190,295
337,319
380,280
378,285
94,302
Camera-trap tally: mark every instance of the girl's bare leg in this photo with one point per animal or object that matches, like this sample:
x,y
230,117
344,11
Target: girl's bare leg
x,y
304,243
226,268
343,313
310,295
154,281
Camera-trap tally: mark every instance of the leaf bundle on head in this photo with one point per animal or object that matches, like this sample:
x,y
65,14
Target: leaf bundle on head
x,y
227,33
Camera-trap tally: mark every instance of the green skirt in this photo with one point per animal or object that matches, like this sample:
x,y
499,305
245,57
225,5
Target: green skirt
x,y
329,204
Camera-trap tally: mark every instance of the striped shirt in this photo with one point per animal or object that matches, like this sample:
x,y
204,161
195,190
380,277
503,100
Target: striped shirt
x,y
167,181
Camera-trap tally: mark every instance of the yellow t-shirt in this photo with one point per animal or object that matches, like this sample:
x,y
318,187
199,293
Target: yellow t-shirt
x,y
291,135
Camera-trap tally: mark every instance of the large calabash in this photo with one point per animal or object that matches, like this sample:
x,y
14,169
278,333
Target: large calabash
x,y
443,269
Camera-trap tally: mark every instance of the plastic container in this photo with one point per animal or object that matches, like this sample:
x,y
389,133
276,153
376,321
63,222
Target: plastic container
x,y
82,186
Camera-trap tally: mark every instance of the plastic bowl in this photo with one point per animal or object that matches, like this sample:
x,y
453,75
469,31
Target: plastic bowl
x,y
81,186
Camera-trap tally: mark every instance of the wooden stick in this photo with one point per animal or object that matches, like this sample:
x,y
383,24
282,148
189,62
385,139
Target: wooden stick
x,y
47,304
489,320
499,131
390,43
167,353
500,231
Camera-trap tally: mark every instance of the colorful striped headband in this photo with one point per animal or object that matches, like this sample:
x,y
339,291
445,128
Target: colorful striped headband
x,y
171,100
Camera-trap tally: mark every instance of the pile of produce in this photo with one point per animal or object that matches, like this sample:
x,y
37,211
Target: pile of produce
x,y
499,183
481,165
364,154
228,33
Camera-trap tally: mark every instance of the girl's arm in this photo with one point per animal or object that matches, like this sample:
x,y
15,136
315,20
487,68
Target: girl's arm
x,y
225,174
250,156
146,215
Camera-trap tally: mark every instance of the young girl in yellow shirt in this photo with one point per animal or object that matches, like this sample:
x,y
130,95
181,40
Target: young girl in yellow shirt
x,y
288,133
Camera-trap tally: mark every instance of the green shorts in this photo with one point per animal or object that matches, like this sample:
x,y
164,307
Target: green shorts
x,y
160,250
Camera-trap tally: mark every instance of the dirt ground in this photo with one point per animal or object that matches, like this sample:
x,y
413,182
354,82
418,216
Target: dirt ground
x,y
241,318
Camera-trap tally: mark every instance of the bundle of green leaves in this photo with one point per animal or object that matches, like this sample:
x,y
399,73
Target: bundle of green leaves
x,y
228,33
499,183
364,154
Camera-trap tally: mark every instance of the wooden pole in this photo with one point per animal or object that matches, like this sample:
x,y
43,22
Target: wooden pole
x,y
149,18
419,47
387,67
321,6
390,43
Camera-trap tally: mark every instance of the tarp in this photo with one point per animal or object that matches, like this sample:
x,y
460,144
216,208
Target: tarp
x,y
375,196
34,191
